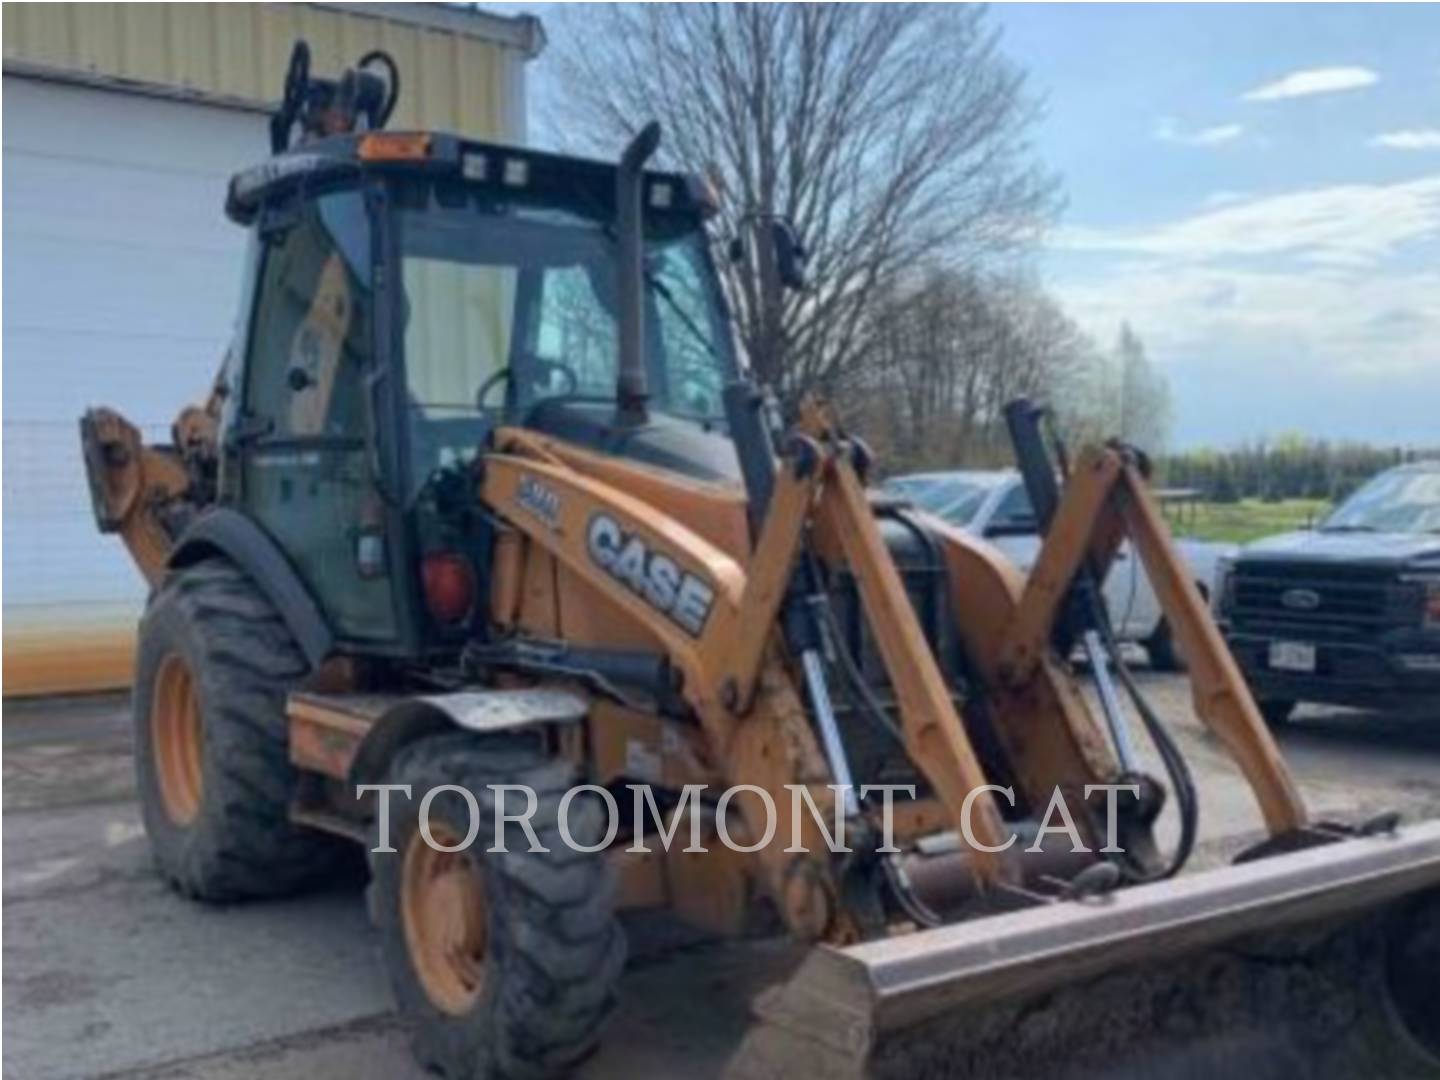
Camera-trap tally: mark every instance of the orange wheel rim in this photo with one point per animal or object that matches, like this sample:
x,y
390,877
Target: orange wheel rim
x,y
177,739
446,918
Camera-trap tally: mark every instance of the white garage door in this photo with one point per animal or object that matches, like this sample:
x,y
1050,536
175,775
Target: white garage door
x,y
121,280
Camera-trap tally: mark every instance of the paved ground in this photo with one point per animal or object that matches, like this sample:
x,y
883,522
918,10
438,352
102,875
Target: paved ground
x,y
107,973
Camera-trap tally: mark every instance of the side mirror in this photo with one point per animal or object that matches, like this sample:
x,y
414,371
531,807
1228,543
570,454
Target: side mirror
x,y
790,254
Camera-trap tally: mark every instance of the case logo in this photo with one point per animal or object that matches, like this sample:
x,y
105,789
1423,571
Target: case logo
x,y
656,578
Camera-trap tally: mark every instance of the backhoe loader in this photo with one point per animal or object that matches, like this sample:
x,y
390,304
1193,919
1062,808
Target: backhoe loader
x,y
482,500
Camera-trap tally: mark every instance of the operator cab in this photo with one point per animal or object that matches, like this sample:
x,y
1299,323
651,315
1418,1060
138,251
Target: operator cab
x,y
409,293
505,304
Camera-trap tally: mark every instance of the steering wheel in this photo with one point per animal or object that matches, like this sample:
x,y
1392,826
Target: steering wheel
x,y
535,365
392,83
493,380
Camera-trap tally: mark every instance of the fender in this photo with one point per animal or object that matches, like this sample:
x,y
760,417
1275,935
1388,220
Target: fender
x,y
480,711
226,532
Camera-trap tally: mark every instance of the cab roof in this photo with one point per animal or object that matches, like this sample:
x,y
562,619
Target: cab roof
x,y
466,163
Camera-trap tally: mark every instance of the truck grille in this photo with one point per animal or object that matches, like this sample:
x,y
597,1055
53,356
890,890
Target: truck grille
x,y
1299,594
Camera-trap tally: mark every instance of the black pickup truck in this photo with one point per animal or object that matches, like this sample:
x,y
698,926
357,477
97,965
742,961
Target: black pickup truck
x,y
1346,613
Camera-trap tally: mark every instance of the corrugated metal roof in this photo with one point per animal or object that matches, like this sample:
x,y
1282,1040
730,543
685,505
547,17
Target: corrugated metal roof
x,y
460,68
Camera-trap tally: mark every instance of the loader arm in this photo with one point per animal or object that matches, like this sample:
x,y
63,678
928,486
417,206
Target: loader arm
x,y
1106,497
613,542
737,675
934,735
1317,914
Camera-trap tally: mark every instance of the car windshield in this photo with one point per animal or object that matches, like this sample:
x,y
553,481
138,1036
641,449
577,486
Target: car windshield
x,y
956,498
517,306
1402,501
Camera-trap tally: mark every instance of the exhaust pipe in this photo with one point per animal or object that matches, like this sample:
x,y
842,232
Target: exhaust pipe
x,y
631,386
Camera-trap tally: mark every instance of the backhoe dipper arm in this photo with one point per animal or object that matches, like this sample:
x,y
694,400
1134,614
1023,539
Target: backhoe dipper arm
x,y
1106,496
130,486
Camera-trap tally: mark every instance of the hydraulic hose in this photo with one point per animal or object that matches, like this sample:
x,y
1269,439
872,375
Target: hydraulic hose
x,y
1028,426
1187,801
860,691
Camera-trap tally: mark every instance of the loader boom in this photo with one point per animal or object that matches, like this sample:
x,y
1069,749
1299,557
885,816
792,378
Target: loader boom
x,y
1106,497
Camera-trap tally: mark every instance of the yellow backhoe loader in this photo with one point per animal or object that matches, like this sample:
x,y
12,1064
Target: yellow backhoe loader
x,y
482,501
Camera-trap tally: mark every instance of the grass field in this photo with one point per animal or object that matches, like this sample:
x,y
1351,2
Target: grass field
x,y
1244,521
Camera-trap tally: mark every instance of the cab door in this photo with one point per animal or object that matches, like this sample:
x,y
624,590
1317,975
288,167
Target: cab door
x,y
304,447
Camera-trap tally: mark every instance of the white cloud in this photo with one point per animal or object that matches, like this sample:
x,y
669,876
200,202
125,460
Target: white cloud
x,y
1412,139
1308,310
1313,81
1168,130
1346,225
1362,325
1213,136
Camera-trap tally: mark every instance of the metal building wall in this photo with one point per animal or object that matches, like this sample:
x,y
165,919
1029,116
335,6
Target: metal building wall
x,y
463,70
122,122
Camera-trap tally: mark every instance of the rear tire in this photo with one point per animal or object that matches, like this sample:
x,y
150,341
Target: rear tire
x,y
504,963
214,665
1160,646
1278,712
1161,650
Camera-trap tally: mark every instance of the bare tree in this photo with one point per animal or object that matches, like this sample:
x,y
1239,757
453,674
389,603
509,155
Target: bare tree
x,y
950,353
1120,393
890,135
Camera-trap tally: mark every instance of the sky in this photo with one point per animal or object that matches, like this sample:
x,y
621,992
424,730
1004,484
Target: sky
x,y
1256,190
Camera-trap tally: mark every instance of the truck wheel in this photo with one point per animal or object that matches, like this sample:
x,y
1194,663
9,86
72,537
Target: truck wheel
x,y
1161,650
1160,647
1277,712
214,664
504,963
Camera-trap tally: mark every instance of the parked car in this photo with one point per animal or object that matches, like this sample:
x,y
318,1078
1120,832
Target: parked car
x,y
1348,612
994,505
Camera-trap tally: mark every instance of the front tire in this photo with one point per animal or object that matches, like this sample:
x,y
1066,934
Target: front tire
x,y
504,963
1161,650
1277,712
214,665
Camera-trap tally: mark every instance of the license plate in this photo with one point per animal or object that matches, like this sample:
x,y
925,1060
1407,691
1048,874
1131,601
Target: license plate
x,y
1292,656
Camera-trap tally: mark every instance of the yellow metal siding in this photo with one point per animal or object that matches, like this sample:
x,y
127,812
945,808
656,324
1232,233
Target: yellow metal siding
x,y
238,52
235,55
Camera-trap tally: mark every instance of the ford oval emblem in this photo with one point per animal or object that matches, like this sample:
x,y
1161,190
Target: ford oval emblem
x,y
1300,599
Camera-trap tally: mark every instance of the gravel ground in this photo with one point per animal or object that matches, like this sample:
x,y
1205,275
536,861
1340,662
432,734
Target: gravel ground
x,y
106,973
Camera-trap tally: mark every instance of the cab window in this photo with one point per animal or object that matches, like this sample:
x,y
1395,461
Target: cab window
x,y
311,334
